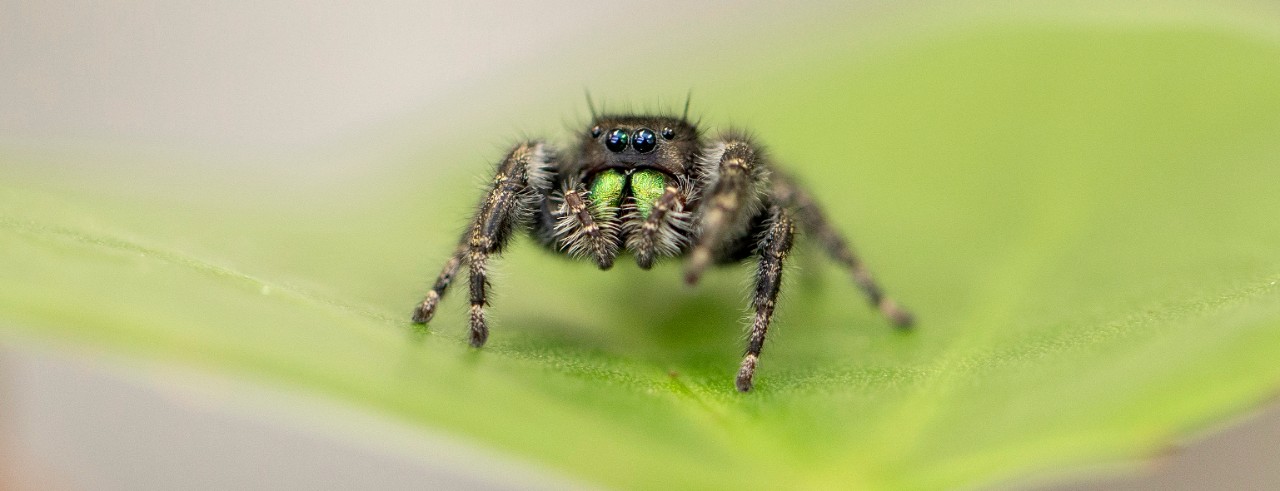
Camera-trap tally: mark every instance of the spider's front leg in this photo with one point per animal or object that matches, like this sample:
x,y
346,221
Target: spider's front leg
x,y
522,177
772,248
735,179
787,191
584,228
664,231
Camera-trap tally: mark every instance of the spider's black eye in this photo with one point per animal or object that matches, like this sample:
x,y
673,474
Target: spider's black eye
x,y
617,141
668,133
596,131
645,140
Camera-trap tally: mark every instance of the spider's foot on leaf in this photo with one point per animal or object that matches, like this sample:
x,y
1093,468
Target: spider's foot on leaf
x,y
425,310
899,316
479,330
746,373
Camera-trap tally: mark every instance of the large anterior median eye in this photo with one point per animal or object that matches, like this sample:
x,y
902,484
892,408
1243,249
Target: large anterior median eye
x,y
616,141
606,191
645,140
647,186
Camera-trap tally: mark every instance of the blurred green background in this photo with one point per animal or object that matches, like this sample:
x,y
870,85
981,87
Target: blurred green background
x,y
1078,200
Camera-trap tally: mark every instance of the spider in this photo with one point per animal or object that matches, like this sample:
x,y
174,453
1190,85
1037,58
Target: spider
x,y
653,186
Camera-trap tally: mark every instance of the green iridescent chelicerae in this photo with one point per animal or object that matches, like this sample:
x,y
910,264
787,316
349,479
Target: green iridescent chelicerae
x,y
606,192
647,186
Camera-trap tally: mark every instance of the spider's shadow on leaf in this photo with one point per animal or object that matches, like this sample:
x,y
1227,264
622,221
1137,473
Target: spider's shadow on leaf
x,y
682,331
648,318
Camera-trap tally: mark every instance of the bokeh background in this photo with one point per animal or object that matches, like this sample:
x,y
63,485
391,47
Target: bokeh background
x,y
214,219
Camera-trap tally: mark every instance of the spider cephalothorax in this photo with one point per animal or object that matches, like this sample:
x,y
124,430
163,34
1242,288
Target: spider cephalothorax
x,y
652,186
629,187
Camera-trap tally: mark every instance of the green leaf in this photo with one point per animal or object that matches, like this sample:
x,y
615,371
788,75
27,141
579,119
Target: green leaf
x,y
1083,216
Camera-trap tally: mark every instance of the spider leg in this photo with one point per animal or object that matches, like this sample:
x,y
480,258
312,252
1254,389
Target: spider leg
x,y
581,233
773,248
427,308
523,174
663,232
815,222
734,172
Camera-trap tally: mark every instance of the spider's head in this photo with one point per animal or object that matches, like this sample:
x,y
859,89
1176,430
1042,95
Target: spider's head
x,y
628,143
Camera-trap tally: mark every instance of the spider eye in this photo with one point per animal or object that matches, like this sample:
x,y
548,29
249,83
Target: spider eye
x,y
596,131
645,140
617,141
668,133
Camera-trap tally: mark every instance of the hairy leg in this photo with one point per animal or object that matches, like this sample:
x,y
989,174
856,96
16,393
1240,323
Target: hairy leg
x,y
427,308
525,172
773,248
734,173
663,232
815,222
580,233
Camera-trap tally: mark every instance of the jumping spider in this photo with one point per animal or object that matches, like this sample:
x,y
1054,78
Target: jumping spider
x,y
654,186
